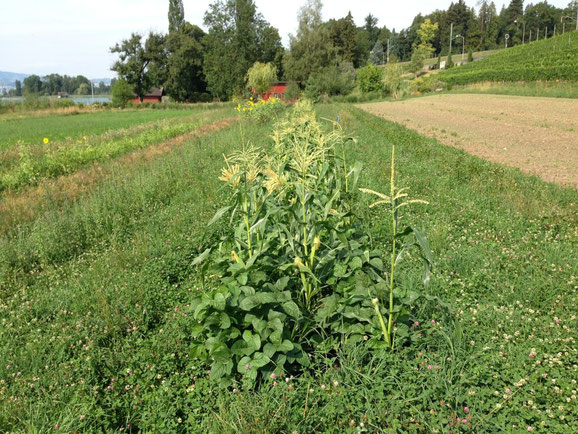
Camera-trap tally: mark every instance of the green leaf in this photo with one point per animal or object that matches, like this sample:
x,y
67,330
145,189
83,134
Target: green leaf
x,y
376,263
281,284
356,263
225,321
241,348
269,350
291,309
259,360
340,270
426,254
265,297
220,213
201,258
285,346
253,340
221,369
249,302
242,365
219,301
242,278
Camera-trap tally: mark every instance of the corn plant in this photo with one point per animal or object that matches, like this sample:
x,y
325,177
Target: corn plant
x,y
294,265
397,199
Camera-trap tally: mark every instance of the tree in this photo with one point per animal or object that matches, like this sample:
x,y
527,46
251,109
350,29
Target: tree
x,y
185,80
312,48
32,85
18,85
424,49
377,54
371,28
261,76
176,15
514,14
142,66
121,93
343,33
238,37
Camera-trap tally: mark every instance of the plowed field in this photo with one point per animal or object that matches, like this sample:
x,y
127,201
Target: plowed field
x,y
537,135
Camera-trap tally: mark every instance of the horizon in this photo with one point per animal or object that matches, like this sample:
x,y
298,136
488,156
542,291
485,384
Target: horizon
x,y
76,41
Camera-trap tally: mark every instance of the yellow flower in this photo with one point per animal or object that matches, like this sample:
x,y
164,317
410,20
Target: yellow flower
x,y
46,141
84,137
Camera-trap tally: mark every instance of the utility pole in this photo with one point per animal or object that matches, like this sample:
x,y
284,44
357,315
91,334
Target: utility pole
x,y
388,49
451,38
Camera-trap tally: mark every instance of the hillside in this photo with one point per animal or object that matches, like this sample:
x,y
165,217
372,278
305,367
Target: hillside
x,y
550,59
8,78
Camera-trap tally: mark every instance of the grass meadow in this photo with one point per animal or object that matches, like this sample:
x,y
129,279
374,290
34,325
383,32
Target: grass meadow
x,y
95,299
31,130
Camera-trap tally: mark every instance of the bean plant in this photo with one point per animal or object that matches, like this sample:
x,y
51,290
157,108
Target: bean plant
x,y
295,270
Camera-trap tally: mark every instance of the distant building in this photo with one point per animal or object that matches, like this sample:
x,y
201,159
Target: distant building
x,y
63,95
277,90
154,95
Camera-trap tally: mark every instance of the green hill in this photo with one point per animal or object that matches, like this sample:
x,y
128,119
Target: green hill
x,y
550,59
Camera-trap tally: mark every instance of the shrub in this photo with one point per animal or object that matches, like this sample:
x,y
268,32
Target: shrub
x,y
262,111
293,91
369,79
121,93
333,80
425,84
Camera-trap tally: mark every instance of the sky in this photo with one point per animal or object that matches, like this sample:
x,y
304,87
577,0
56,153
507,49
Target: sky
x,y
74,36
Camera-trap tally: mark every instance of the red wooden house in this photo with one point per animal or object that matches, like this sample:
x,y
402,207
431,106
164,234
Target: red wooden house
x,y
154,95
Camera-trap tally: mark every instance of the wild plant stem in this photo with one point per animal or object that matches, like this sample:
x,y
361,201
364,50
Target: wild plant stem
x,y
393,246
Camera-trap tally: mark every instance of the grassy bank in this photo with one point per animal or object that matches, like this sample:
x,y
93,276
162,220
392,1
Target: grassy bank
x,y
551,89
96,330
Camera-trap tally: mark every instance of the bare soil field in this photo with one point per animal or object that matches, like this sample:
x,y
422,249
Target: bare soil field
x,y
537,135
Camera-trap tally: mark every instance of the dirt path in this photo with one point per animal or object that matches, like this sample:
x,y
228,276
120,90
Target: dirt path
x,y
537,135
25,205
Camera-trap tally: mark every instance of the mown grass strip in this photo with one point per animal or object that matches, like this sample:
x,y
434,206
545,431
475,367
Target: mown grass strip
x,y
63,160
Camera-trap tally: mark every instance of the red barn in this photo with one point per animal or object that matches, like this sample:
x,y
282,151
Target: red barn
x,y
277,90
154,95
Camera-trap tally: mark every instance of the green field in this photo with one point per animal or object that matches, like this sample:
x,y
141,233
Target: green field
x,y
547,60
33,130
98,329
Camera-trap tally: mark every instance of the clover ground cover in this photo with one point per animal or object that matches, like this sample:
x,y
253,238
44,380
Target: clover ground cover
x,y
96,322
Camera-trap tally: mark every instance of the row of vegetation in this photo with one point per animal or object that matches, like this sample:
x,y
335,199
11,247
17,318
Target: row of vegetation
x,y
123,311
24,164
323,55
547,60
53,84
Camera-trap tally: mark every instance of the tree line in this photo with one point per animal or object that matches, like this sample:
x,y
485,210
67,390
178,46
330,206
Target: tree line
x,y
194,65
53,84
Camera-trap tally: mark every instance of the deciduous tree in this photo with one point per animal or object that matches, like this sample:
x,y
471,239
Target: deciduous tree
x,y
261,76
